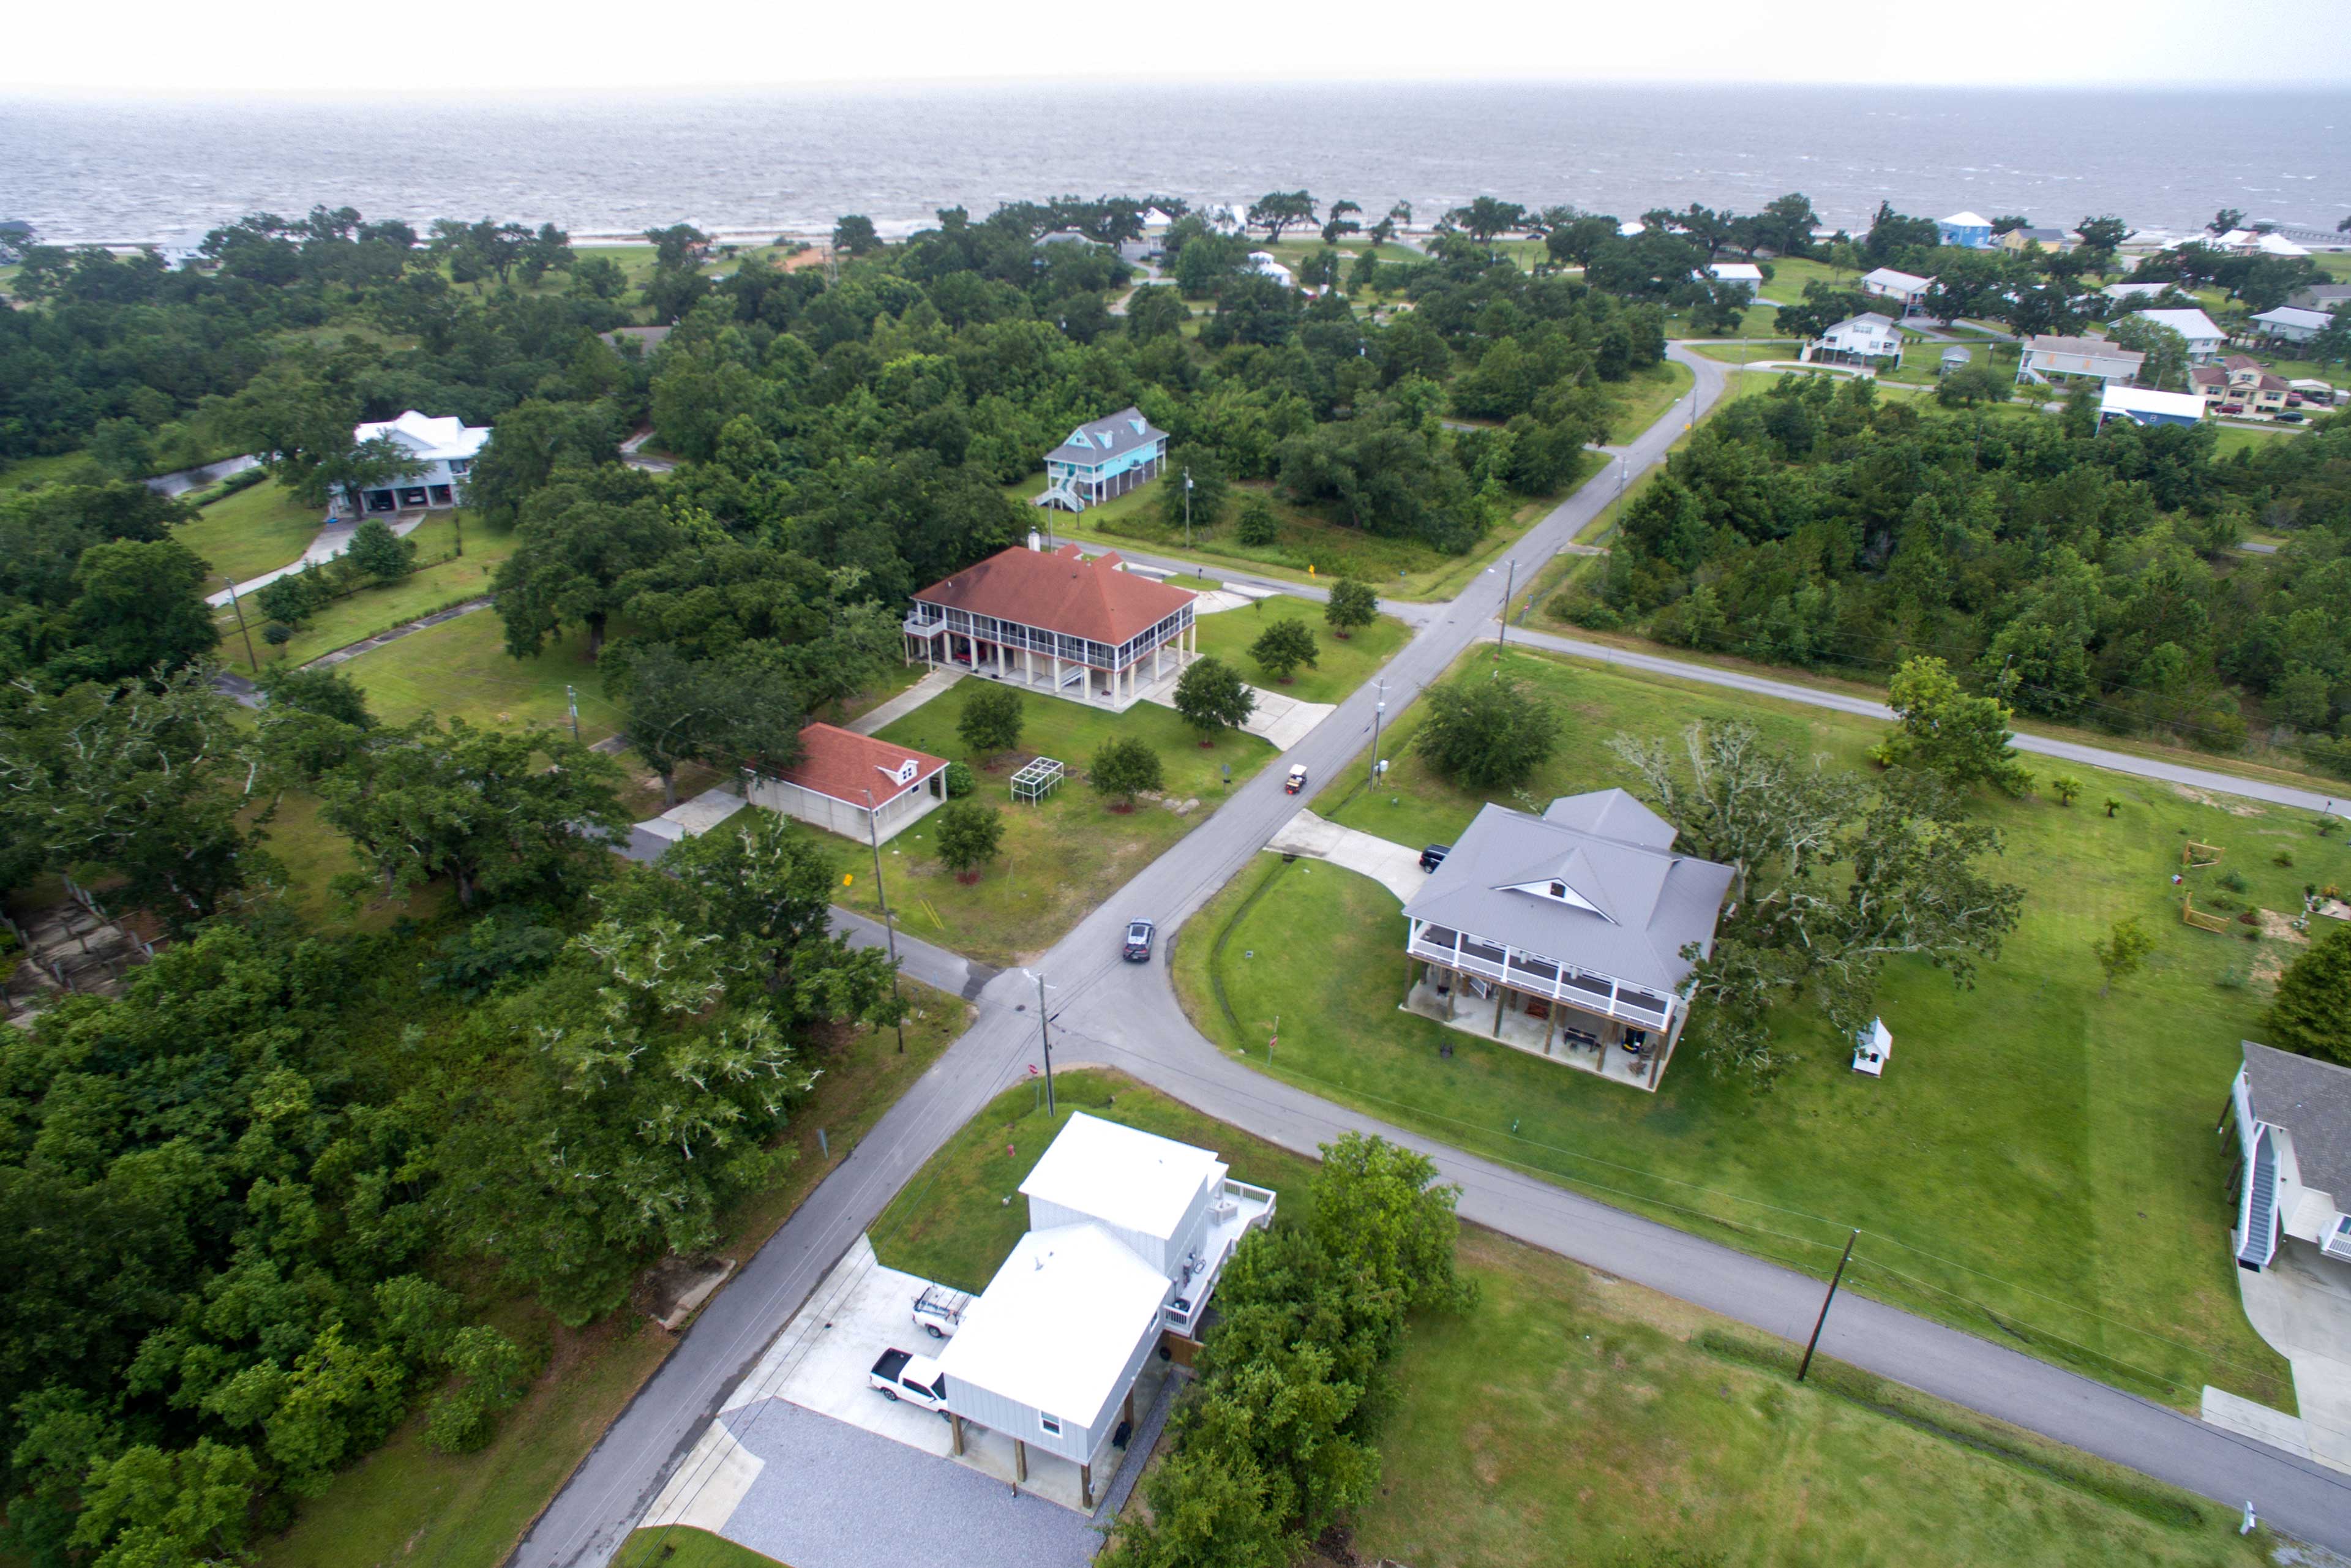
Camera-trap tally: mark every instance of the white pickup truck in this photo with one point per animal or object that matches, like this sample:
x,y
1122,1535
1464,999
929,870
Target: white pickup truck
x,y
938,1312
916,1379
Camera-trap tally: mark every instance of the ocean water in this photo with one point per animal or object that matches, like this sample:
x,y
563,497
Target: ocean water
x,y
154,169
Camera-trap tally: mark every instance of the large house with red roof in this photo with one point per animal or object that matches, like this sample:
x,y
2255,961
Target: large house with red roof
x,y
1059,623
853,785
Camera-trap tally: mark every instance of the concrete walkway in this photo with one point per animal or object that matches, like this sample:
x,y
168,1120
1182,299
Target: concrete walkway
x,y
905,702
1392,866
333,540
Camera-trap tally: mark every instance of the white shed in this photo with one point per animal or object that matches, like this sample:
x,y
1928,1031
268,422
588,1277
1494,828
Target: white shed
x,y
1871,1046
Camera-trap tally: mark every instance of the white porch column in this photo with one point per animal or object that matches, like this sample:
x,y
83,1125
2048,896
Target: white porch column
x,y
1057,672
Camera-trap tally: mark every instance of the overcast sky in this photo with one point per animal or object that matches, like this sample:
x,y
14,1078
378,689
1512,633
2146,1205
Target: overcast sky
x,y
276,45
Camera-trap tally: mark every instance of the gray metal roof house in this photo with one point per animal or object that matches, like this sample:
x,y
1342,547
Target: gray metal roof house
x,y
1101,459
2293,1115
1575,926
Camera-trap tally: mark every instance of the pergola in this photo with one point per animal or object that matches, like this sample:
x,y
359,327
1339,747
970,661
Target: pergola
x,y
1037,779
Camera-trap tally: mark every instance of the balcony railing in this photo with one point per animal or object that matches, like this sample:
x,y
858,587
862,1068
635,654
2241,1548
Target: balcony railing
x,y
2338,1240
1540,976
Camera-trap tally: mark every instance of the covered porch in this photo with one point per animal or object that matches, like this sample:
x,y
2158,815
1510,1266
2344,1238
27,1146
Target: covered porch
x,y
1542,1026
1027,668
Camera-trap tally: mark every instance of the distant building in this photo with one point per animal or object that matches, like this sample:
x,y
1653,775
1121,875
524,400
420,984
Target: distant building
x,y
2322,296
1745,274
2047,360
1906,290
2058,240
1065,236
1102,459
2241,388
1856,339
1970,231
444,451
1265,264
1954,358
2141,406
1058,623
2292,324
2196,330
2250,241
2133,293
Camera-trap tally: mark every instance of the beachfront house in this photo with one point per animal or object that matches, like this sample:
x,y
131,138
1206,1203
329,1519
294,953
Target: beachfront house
x,y
853,785
2048,360
2196,330
1969,231
2292,1115
1907,290
1564,935
1102,459
2290,324
2058,240
1741,274
1866,339
2142,405
1128,1233
1060,623
442,452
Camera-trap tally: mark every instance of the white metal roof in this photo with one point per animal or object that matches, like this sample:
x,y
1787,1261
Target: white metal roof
x,y
427,436
1891,278
1132,1180
1055,1327
2190,324
2294,316
1736,271
1968,221
2130,402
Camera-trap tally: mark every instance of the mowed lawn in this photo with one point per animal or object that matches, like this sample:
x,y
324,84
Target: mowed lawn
x,y
2038,1162
461,669
1061,857
442,579
406,1503
683,1546
258,529
1570,1418
1340,666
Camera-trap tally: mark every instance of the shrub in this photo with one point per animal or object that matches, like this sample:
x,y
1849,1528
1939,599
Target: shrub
x,y
1258,525
2066,787
970,836
1124,767
1486,733
961,781
292,599
277,634
1211,695
378,552
493,1375
1282,646
2311,1010
2235,880
991,721
1352,604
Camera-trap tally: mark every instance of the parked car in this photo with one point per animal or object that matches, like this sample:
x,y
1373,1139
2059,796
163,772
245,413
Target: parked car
x,y
1138,941
2232,408
2293,400
1434,856
938,1312
916,1379
1296,781
2288,417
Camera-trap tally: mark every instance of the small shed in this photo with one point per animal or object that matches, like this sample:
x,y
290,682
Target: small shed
x,y
1871,1046
1954,358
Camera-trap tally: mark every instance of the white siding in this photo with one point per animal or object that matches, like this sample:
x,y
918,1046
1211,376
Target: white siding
x,y
1083,1433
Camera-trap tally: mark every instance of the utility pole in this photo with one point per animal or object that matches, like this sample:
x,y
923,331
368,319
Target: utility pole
x,y
889,918
247,635
1377,710
1187,506
1045,1034
1510,588
1838,1279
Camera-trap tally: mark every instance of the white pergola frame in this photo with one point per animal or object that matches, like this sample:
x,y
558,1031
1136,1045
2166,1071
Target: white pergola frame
x,y
1038,778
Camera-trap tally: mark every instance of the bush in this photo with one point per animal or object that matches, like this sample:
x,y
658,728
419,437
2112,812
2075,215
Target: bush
x,y
493,1374
991,721
1258,526
1352,604
277,634
1486,733
1211,695
2312,1011
1282,646
378,552
1124,767
292,599
2235,880
961,781
970,836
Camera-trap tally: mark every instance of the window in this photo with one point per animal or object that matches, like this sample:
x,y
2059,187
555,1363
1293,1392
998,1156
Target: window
x,y
1051,1423
1559,890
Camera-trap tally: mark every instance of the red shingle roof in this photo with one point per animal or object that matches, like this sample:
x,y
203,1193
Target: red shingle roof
x,y
845,765
1061,593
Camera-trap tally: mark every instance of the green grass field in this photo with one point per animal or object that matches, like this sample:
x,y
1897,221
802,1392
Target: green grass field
x,y
1571,1418
257,530
1341,665
1059,857
1642,398
31,473
461,669
447,579
2038,1164
683,1546
407,1504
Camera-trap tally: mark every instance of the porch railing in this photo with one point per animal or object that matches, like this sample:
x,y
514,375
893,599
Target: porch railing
x,y
1540,976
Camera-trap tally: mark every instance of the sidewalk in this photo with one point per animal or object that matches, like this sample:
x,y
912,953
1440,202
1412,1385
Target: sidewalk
x,y
905,702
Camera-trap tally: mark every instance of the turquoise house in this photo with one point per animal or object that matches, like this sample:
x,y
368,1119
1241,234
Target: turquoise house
x,y
1970,231
1106,458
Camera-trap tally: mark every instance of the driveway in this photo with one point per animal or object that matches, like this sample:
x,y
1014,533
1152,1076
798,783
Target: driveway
x,y
2301,1305
1392,866
332,540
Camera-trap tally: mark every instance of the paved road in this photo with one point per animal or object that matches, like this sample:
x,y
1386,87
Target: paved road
x,y
1124,1015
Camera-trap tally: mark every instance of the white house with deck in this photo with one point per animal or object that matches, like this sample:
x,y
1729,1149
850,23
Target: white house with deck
x,y
1907,290
443,450
2048,358
1857,339
2196,330
1564,934
2292,1115
1127,1235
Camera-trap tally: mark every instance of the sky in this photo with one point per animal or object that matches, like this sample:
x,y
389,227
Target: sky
x,y
148,46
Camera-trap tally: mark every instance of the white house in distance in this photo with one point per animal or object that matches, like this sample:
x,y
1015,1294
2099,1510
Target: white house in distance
x,y
1265,264
2196,329
1127,1235
444,451
1744,274
2293,1115
2046,358
1856,340
2132,293
839,770
1566,930
1907,290
2292,323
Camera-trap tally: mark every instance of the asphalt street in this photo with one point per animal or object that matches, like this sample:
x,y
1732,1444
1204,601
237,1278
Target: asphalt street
x,y
1126,1016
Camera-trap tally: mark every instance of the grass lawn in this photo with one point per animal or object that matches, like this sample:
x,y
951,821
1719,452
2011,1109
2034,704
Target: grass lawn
x,y
461,669
2234,438
31,473
1567,1417
1059,859
2038,1164
683,1546
407,1504
949,1223
447,580
1341,666
1642,398
258,529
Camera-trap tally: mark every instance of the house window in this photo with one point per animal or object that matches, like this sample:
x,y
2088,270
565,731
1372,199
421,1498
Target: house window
x,y
1559,890
1051,1423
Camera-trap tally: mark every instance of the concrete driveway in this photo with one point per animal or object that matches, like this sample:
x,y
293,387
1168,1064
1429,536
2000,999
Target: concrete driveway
x,y
1392,866
2301,1305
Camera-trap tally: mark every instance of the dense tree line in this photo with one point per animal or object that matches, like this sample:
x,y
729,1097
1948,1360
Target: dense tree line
x,y
2084,574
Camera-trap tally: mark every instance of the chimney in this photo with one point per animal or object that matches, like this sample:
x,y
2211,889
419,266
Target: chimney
x,y
1035,542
